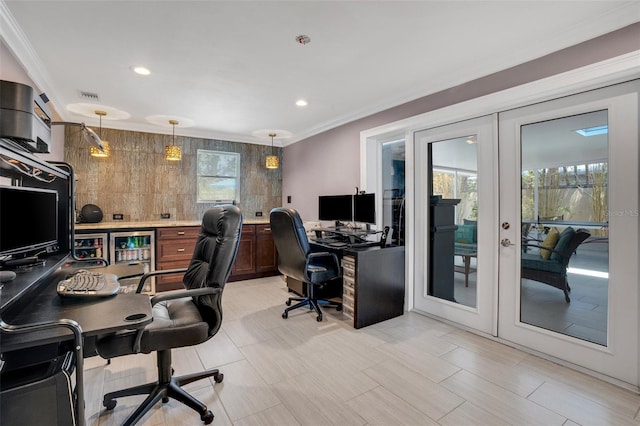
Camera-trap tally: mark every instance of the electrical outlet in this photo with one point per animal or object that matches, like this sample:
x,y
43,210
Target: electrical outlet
x,y
258,214
165,215
118,216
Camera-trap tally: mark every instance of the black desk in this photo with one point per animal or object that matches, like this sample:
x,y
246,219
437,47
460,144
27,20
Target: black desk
x,y
373,281
95,316
35,302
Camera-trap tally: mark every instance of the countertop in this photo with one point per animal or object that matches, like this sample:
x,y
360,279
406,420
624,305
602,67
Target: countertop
x,y
153,224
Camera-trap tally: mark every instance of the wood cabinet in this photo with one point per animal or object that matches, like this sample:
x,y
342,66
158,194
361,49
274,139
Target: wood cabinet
x,y
266,253
257,255
246,259
174,249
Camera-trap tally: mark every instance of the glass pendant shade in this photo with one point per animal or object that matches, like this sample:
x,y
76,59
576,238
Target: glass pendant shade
x,y
173,152
95,152
273,162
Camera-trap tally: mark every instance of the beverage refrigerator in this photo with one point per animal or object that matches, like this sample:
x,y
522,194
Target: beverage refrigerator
x,y
88,247
133,247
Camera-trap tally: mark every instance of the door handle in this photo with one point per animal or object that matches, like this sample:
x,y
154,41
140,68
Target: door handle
x,y
506,242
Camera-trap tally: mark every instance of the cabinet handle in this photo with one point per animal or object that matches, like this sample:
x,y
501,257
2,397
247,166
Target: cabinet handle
x,y
267,229
180,250
180,232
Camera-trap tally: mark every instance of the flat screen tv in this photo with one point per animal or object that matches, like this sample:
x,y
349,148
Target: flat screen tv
x,y
364,208
335,207
28,219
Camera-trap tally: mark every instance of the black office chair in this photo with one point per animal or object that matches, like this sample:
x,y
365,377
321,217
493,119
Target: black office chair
x,y
296,260
182,317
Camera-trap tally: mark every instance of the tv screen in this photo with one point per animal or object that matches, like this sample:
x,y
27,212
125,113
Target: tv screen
x,y
364,208
335,207
28,219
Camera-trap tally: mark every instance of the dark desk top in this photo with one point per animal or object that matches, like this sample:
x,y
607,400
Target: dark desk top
x,y
95,316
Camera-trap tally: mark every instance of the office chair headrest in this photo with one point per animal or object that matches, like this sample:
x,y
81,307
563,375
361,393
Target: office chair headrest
x,y
222,221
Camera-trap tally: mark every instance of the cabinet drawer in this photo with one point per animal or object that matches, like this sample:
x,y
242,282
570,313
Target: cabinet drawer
x,y
348,273
349,262
347,311
348,282
263,229
248,230
348,291
348,301
175,250
177,232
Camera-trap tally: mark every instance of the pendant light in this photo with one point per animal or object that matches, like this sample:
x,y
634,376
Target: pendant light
x,y
273,162
173,151
106,150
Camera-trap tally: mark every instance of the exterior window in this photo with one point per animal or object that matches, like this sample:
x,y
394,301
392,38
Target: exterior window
x,y
218,176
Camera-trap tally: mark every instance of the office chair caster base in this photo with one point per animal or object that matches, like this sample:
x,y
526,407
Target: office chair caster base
x,y
219,378
288,302
207,417
110,404
319,318
285,315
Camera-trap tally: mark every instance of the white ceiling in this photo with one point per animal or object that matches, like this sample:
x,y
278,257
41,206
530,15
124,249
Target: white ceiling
x,y
234,67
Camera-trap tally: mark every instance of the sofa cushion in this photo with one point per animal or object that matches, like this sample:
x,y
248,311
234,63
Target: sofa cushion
x,y
534,261
474,223
563,243
464,234
549,243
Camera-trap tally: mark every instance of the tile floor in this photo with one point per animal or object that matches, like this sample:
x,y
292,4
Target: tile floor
x,y
410,370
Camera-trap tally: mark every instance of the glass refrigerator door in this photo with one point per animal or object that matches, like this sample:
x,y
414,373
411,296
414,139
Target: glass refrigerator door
x,y
87,247
134,247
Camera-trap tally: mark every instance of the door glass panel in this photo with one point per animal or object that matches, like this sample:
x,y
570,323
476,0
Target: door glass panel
x,y
393,200
564,209
453,224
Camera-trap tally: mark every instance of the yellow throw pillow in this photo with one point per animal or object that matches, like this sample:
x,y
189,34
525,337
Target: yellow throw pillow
x,y
549,243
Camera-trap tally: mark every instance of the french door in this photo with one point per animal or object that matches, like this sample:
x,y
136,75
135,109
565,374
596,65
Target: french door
x,y
498,201
456,203
571,166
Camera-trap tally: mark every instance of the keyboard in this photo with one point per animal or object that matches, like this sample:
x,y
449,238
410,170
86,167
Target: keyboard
x,y
88,284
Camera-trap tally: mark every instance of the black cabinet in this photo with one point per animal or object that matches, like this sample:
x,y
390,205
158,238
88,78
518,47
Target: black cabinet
x,y
373,284
442,229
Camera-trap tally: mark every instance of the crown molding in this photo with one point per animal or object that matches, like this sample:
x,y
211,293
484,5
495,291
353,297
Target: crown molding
x,y
19,44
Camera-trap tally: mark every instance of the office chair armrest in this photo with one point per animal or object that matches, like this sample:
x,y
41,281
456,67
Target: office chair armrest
x,y
323,255
178,294
148,275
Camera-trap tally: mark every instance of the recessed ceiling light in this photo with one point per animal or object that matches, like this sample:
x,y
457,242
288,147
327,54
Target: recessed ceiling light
x,y
141,70
301,102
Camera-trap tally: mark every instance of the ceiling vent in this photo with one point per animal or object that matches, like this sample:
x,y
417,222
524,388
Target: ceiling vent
x,y
93,97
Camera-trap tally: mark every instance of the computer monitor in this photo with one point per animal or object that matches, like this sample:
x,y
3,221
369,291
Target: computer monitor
x,y
364,208
28,219
335,207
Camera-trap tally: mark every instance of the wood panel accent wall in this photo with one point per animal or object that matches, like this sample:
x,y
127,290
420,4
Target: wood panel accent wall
x,y
137,181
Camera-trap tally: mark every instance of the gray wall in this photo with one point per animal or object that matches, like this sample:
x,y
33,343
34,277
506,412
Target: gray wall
x,y
329,163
